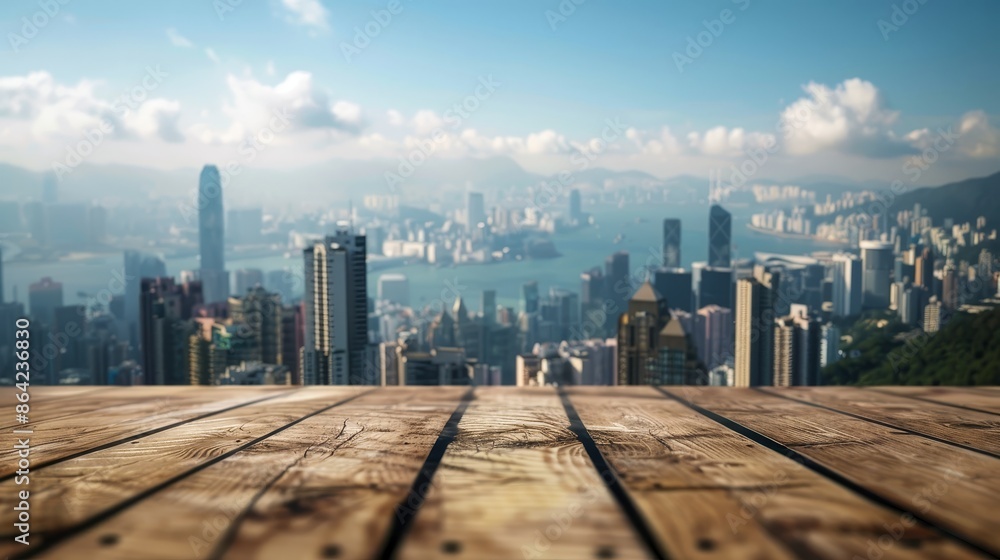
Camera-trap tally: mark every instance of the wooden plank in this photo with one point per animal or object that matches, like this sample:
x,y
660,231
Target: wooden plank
x,y
517,483
328,483
68,494
970,398
68,436
952,488
44,408
710,493
8,395
974,430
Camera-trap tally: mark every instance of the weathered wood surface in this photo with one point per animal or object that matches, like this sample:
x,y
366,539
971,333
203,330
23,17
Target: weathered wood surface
x,y
714,494
960,397
442,472
952,488
974,430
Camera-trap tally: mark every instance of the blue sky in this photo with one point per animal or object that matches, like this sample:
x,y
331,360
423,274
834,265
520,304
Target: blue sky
x,y
563,69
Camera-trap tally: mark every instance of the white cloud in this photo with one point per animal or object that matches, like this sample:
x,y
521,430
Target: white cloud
x,y
253,106
210,53
851,118
426,121
269,69
394,117
55,113
728,142
178,40
309,13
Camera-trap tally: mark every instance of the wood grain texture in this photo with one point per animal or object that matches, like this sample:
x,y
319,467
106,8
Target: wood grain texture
x,y
973,398
517,483
48,393
711,493
329,482
953,488
972,429
69,493
91,425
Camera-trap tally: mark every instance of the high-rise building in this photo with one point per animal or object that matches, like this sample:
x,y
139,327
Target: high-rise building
x,y
575,207
713,335
137,267
754,342
164,328
652,345
336,303
949,287
529,297
211,236
44,297
592,303
847,281
932,315
475,210
716,287
720,237
261,313
923,273
617,282
672,243
797,340
877,260
829,345
675,284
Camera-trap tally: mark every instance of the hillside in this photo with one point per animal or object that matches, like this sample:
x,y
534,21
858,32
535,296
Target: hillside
x,y
963,201
966,352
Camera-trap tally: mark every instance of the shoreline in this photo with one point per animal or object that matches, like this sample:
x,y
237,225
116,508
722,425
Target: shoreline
x,y
797,236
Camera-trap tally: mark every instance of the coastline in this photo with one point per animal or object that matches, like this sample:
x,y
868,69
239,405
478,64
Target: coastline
x,y
799,236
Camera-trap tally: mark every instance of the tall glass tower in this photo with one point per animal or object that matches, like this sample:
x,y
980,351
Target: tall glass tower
x,y
720,237
211,236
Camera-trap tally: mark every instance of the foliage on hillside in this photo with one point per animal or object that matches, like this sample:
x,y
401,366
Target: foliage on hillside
x,y
965,352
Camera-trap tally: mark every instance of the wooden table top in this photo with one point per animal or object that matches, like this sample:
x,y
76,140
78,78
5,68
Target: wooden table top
x,y
506,473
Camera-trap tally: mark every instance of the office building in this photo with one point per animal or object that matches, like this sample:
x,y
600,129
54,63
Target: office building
x,y
716,287
336,304
261,313
44,297
164,328
617,283
652,345
713,335
672,243
847,285
475,210
877,261
211,236
720,237
137,266
675,284
754,346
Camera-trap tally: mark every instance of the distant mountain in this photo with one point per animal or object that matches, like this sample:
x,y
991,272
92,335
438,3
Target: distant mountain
x,y
963,201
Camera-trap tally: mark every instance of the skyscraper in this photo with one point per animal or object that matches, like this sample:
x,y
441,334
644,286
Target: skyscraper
x,y
847,279
164,329
878,261
44,297
672,243
137,267
716,287
639,340
675,284
720,237
713,335
211,236
617,284
261,313
475,210
575,207
336,302
796,349
529,297
755,328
